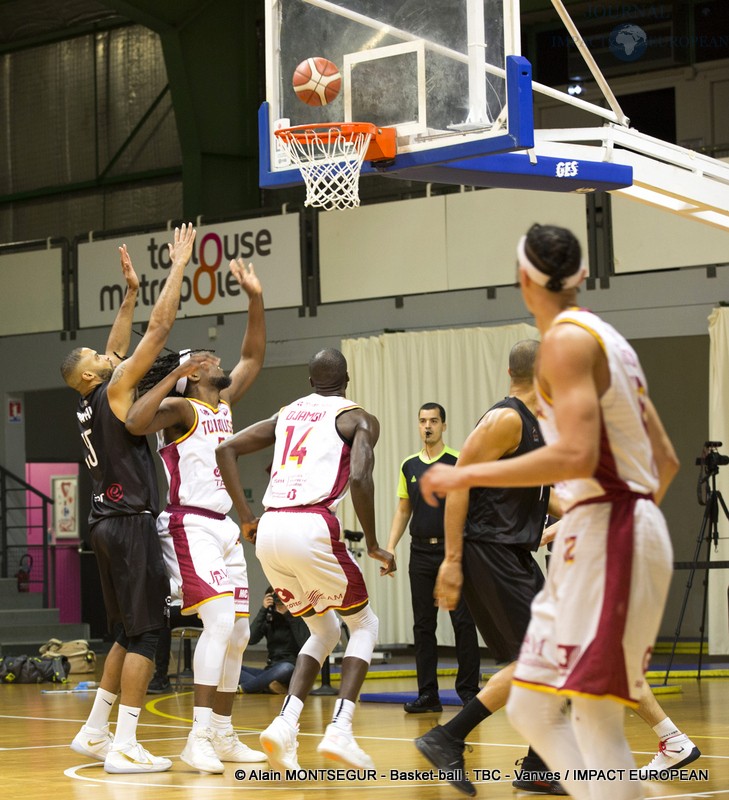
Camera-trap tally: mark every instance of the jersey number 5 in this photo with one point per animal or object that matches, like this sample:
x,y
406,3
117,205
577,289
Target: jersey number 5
x,y
91,459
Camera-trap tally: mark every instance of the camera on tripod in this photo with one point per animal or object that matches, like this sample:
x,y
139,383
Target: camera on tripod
x,y
709,497
711,459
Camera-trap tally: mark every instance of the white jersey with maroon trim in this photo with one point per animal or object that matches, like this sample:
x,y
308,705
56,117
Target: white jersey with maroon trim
x,y
626,456
310,459
192,472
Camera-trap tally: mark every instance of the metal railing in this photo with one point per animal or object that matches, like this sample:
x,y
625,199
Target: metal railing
x,y
29,563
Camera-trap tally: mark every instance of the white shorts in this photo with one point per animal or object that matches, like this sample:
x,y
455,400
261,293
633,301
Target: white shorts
x,y
594,624
307,564
204,558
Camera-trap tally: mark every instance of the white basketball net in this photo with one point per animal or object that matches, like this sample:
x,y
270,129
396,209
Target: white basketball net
x,y
330,164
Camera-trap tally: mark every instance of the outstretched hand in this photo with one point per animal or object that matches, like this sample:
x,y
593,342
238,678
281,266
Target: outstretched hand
x,y
387,559
181,247
130,276
437,481
195,362
246,277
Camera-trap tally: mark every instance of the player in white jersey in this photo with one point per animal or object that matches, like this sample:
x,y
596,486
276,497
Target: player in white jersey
x,y
324,444
201,544
594,624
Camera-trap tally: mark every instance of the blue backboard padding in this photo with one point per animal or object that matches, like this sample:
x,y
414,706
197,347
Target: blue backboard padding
x,y
516,171
483,162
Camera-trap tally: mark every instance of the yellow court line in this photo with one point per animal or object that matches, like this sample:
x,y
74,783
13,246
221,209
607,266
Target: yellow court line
x,y
677,674
666,689
151,706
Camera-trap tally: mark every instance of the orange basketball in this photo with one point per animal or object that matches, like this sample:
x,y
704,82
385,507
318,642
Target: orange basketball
x,y
317,81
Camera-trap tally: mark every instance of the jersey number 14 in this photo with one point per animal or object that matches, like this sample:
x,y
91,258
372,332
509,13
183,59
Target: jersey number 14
x,y
298,453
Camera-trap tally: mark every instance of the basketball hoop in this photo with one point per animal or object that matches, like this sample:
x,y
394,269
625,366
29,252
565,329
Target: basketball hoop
x,y
330,155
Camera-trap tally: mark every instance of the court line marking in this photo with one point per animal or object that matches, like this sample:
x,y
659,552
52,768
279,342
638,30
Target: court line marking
x,y
254,731
73,772
285,786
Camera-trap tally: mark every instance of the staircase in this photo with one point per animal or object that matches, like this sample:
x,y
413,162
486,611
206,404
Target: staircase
x,y
25,625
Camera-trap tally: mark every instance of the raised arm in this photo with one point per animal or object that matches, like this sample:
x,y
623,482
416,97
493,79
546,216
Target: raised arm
x,y
253,349
496,435
128,374
154,411
249,440
120,335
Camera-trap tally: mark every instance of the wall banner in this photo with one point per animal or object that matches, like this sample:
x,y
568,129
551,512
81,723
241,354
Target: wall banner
x,y
270,243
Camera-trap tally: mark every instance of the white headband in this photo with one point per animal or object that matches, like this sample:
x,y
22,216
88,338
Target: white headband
x,y
541,278
181,385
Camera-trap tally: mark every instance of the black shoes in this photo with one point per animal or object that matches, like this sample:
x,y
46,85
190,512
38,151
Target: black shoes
x,y
533,774
445,752
423,704
159,685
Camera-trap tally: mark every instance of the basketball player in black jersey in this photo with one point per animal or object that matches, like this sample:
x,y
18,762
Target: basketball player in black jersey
x,y
123,509
490,534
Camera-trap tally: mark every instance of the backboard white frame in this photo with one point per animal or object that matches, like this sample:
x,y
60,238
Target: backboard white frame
x,y
412,128
415,138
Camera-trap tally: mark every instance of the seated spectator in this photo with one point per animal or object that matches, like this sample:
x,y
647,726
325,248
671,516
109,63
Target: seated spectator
x,y
284,634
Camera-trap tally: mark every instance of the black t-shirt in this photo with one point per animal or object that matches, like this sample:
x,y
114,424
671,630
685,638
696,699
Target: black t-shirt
x,y
123,477
510,516
285,634
427,520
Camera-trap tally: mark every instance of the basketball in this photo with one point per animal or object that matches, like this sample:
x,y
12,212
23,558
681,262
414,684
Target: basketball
x,y
317,81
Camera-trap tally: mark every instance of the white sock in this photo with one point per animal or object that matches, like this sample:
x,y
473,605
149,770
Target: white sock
x,y
100,711
126,725
201,717
343,713
220,723
665,728
291,710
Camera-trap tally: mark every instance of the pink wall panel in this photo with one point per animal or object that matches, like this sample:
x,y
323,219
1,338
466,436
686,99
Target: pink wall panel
x,y
67,572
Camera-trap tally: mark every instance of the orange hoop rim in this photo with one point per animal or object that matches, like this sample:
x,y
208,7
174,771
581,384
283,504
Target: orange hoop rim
x,y
382,142
327,130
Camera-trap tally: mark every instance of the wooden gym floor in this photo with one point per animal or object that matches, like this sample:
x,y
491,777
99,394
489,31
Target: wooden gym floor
x,y
36,763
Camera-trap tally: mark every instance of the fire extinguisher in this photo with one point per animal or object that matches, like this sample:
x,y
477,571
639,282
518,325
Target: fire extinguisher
x,y
23,573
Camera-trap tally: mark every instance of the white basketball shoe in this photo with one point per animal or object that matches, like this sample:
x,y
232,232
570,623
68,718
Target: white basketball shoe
x,y
340,745
674,752
92,743
280,744
132,757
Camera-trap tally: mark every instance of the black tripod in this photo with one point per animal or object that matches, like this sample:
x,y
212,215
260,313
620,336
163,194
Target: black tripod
x,y
708,532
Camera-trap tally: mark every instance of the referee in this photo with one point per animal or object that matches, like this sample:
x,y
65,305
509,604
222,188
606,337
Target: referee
x,y
427,539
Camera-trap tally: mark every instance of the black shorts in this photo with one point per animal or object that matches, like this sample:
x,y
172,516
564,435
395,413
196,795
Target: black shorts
x,y
499,584
132,571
